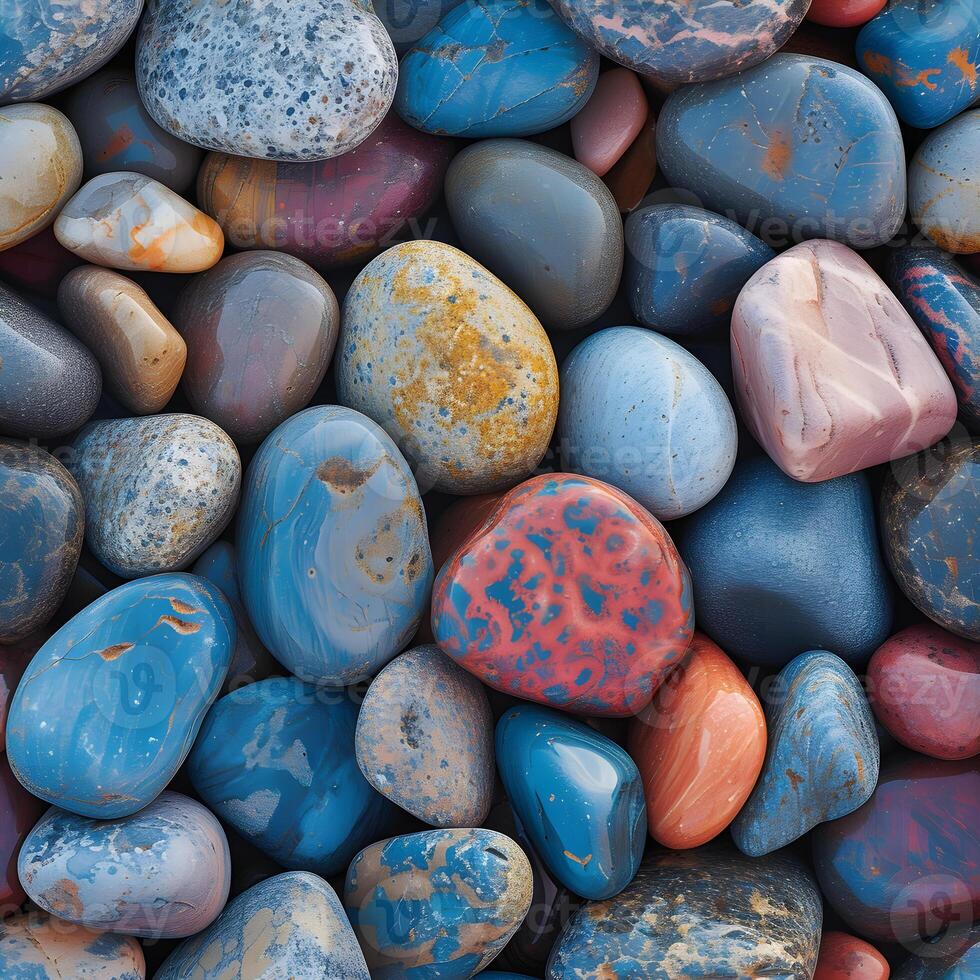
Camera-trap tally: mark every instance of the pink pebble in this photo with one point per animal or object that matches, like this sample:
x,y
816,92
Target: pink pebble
x,y
609,121
831,373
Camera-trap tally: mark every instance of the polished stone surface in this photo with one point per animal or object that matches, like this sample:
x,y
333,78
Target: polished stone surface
x,y
831,373
699,746
496,68
643,414
19,812
109,707
843,13
748,148
578,796
260,329
630,178
163,872
408,20
845,957
451,364
141,354
303,81
571,595
37,264
158,490
425,739
333,551
605,127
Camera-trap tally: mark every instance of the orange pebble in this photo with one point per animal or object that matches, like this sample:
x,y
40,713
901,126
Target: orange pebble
x,y
844,957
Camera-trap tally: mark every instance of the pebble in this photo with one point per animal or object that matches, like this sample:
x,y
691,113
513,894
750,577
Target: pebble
x,y
290,925
630,178
48,46
845,957
158,490
141,354
260,328
329,213
640,412
406,21
49,384
42,521
605,127
707,711
305,81
944,300
163,872
677,43
37,264
109,707
685,267
758,554
437,903
924,687
944,194
452,364
14,658
923,55
425,739
130,221
928,513
40,947
571,595
333,552
275,761
19,812
843,13
912,830
748,148
578,797
831,373
822,758
117,133
709,912
40,168
496,68
543,223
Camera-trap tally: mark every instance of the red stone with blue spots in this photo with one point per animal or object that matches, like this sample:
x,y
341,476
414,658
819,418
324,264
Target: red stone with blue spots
x,y
571,595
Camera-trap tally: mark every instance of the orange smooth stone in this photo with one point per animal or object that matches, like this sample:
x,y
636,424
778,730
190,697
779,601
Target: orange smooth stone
x,y
608,123
844,957
699,747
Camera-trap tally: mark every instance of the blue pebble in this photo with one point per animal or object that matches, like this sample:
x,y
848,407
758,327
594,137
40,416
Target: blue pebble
x,y
109,707
640,412
275,761
578,796
924,54
781,567
333,549
822,756
685,267
496,68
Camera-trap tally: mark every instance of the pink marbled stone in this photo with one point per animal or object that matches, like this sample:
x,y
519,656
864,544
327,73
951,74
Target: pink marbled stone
x,y
609,122
832,375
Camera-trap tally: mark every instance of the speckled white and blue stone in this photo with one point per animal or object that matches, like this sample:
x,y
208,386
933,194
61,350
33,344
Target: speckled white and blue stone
x,y
303,80
163,872
158,490
291,925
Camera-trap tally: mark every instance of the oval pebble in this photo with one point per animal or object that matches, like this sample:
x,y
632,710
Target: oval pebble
x,y
606,126
275,761
109,707
843,13
331,508
158,490
163,872
543,223
564,559
442,902
845,957
640,412
290,925
42,521
451,364
304,81
425,739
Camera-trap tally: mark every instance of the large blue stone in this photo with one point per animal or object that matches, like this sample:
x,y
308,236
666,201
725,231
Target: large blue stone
x,y
924,54
797,147
578,796
822,756
685,267
499,68
781,567
109,707
275,761
333,550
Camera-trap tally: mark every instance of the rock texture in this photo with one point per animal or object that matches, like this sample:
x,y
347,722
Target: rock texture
x,y
605,127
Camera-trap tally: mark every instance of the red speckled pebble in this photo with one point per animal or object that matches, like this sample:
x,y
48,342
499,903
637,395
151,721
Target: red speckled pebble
x,y
843,13
844,957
